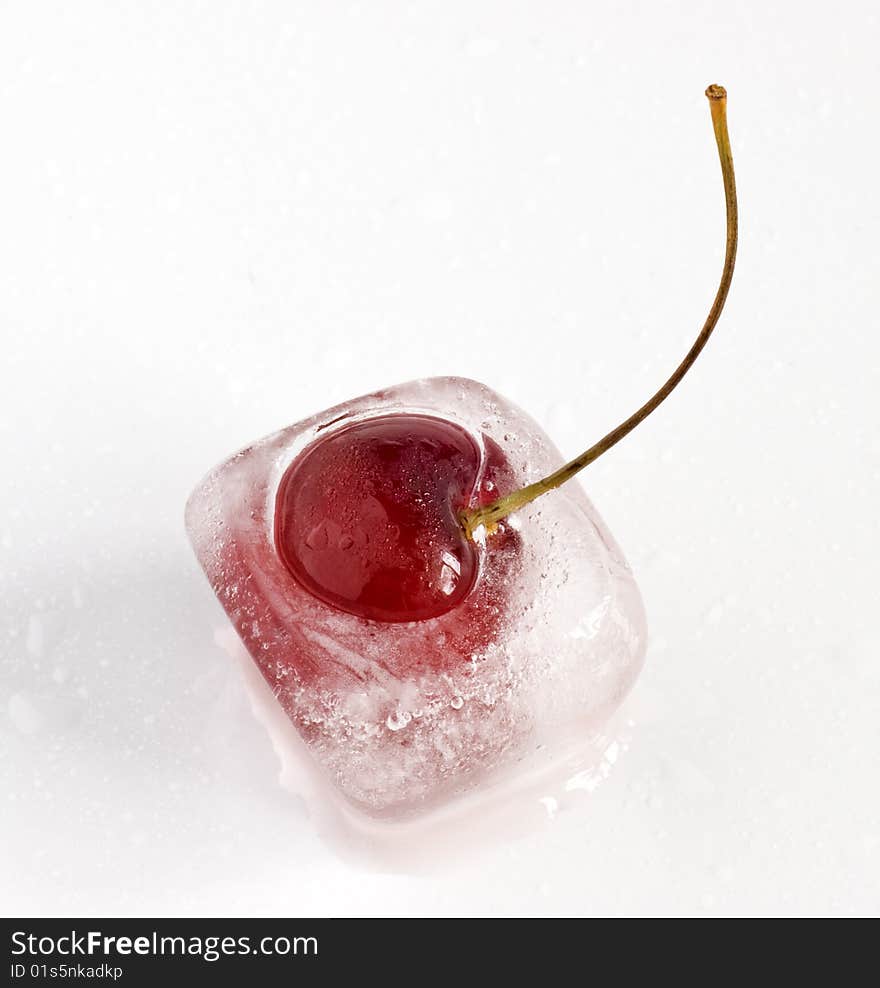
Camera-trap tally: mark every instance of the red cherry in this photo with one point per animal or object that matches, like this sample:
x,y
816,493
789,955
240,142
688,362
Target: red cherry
x,y
367,518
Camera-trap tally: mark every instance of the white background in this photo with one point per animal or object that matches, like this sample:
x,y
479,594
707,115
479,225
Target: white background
x,y
218,218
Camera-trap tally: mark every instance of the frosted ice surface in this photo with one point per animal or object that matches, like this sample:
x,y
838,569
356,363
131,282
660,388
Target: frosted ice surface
x,y
396,736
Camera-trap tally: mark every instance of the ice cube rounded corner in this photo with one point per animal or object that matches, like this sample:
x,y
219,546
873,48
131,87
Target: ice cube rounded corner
x,y
403,718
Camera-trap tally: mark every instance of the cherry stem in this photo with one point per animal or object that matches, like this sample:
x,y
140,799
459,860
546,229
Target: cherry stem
x,y
488,516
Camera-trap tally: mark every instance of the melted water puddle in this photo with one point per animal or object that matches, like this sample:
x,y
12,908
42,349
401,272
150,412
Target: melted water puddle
x,y
524,804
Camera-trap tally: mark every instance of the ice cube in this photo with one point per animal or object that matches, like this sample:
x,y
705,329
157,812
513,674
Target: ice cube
x,y
405,716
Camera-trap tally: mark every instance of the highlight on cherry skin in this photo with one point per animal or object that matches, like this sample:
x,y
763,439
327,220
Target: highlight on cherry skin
x,y
377,519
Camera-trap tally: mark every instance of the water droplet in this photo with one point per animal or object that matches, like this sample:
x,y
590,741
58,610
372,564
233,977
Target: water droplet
x,y
36,637
456,703
24,714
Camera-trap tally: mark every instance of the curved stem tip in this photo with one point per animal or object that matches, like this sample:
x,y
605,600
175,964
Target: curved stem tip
x,y
488,516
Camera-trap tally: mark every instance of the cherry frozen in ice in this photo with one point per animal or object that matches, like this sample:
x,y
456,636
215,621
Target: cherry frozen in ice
x,y
423,624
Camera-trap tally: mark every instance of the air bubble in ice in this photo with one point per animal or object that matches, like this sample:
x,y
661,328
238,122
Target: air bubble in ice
x,y
398,720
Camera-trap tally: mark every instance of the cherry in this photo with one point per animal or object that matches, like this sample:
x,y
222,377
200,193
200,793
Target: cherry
x,y
367,518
